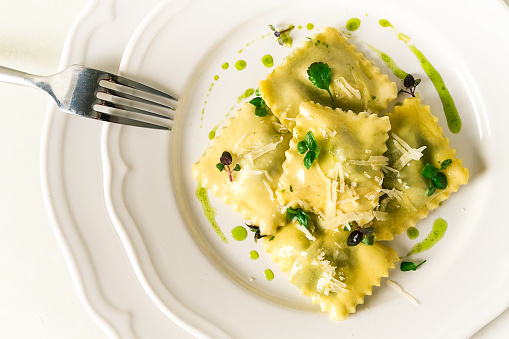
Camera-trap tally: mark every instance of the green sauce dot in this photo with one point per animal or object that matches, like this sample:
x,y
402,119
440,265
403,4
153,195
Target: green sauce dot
x,y
254,255
212,135
240,65
216,77
385,23
225,65
412,233
269,275
310,26
246,94
353,24
267,60
239,233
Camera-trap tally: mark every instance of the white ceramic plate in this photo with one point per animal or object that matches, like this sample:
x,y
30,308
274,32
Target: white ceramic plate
x,y
73,191
203,284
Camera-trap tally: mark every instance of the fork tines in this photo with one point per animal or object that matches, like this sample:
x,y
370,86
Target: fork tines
x,y
128,102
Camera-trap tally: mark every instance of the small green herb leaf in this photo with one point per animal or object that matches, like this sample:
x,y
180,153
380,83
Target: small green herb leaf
x,y
220,166
261,111
440,181
429,171
299,214
446,163
309,158
257,102
302,147
320,75
236,168
283,37
409,266
368,240
311,141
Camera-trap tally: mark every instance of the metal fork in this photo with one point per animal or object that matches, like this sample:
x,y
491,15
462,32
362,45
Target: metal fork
x,y
96,94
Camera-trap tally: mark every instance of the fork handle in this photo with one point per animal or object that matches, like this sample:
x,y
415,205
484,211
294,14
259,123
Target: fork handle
x,y
16,77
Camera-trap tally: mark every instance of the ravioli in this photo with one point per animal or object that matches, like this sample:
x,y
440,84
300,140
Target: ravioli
x,y
334,275
404,200
356,84
257,144
342,185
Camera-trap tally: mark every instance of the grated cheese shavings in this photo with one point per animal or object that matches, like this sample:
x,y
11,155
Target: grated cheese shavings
x,y
408,153
402,292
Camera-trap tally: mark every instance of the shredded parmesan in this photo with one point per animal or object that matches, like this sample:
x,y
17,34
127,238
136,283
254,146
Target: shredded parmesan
x,y
304,230
261,150
373,161
271,192
237,144
408,153
402,292
257,172
328,282
348,89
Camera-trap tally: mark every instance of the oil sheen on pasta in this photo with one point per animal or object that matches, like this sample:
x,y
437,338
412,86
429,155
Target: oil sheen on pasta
x,y
208,210
437,233
450,110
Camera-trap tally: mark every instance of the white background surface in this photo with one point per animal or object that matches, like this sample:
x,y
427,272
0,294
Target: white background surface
x,y
37,296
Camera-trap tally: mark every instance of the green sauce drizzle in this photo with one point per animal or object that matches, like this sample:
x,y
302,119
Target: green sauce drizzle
x,y
389,62
212,134
254,255
225,65
412,232
267,60
450,110
310,26
239,233
451,113
208,210
437,233
246,94
353,24
269,275
240,65
216,77
385,23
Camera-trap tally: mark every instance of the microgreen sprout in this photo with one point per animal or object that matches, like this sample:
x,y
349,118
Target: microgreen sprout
x,y
225,160
437,179
410,84
299,214
283,36
360,234
261,108
320,75
256,230
310,148
409,266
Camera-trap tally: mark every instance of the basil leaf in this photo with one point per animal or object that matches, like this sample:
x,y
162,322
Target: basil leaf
x,y
302,147
261,111
309,158
311,141
258,102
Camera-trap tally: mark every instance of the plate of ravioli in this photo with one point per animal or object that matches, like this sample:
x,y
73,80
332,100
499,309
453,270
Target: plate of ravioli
x,y
329,167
